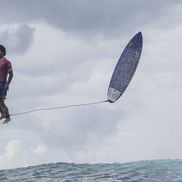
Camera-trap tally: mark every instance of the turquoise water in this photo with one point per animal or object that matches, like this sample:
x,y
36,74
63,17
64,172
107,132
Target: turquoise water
x,y
144,171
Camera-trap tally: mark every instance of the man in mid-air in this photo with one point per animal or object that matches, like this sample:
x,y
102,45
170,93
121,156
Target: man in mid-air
x,y
6,75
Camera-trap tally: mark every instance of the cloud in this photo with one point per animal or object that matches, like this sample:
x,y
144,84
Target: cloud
x,y
17,39
73,53
127,125
108,18
75,134
16,154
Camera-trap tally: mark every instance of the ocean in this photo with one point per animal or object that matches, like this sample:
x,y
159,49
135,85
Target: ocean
x,y
143,171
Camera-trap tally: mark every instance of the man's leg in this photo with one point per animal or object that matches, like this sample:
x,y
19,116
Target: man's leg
x,y
2,111
5,112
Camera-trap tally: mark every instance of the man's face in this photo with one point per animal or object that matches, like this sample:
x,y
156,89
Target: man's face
x,y
1,54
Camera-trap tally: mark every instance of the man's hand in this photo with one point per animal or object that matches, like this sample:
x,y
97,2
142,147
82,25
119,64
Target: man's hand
x,y
7,86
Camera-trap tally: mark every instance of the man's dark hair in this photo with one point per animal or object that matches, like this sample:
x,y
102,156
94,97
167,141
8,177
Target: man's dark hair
x,y
3,49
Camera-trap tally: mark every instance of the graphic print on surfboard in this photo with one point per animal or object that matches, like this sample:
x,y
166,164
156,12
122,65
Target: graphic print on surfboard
x,y
125,68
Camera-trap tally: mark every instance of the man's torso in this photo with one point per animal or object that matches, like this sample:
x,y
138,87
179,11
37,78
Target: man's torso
x,y
5,66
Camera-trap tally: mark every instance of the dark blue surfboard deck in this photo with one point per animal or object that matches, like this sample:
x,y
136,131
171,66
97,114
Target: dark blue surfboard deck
x,y
125,68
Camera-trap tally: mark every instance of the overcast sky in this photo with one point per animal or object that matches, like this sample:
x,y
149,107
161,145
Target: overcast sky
x,y
64,52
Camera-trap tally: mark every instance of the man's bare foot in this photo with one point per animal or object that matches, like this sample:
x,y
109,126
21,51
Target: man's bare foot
x,y
7,120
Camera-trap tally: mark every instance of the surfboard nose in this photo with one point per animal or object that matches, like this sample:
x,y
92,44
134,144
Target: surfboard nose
x,y
137,40
139,36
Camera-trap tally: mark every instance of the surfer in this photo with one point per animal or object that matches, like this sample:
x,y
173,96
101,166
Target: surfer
x,y
6,75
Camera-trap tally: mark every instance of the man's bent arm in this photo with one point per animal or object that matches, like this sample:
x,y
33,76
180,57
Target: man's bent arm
x,y
10,76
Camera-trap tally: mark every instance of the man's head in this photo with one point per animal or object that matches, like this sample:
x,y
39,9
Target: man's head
x,y
2,51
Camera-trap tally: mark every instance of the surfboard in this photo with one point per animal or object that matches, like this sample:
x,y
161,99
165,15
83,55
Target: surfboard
x,y
125,68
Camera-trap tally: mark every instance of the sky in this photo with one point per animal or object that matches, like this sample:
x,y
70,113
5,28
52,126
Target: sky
x,y
63,52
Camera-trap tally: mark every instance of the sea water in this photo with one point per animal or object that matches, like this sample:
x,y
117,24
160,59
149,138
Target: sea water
x,y
143,171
